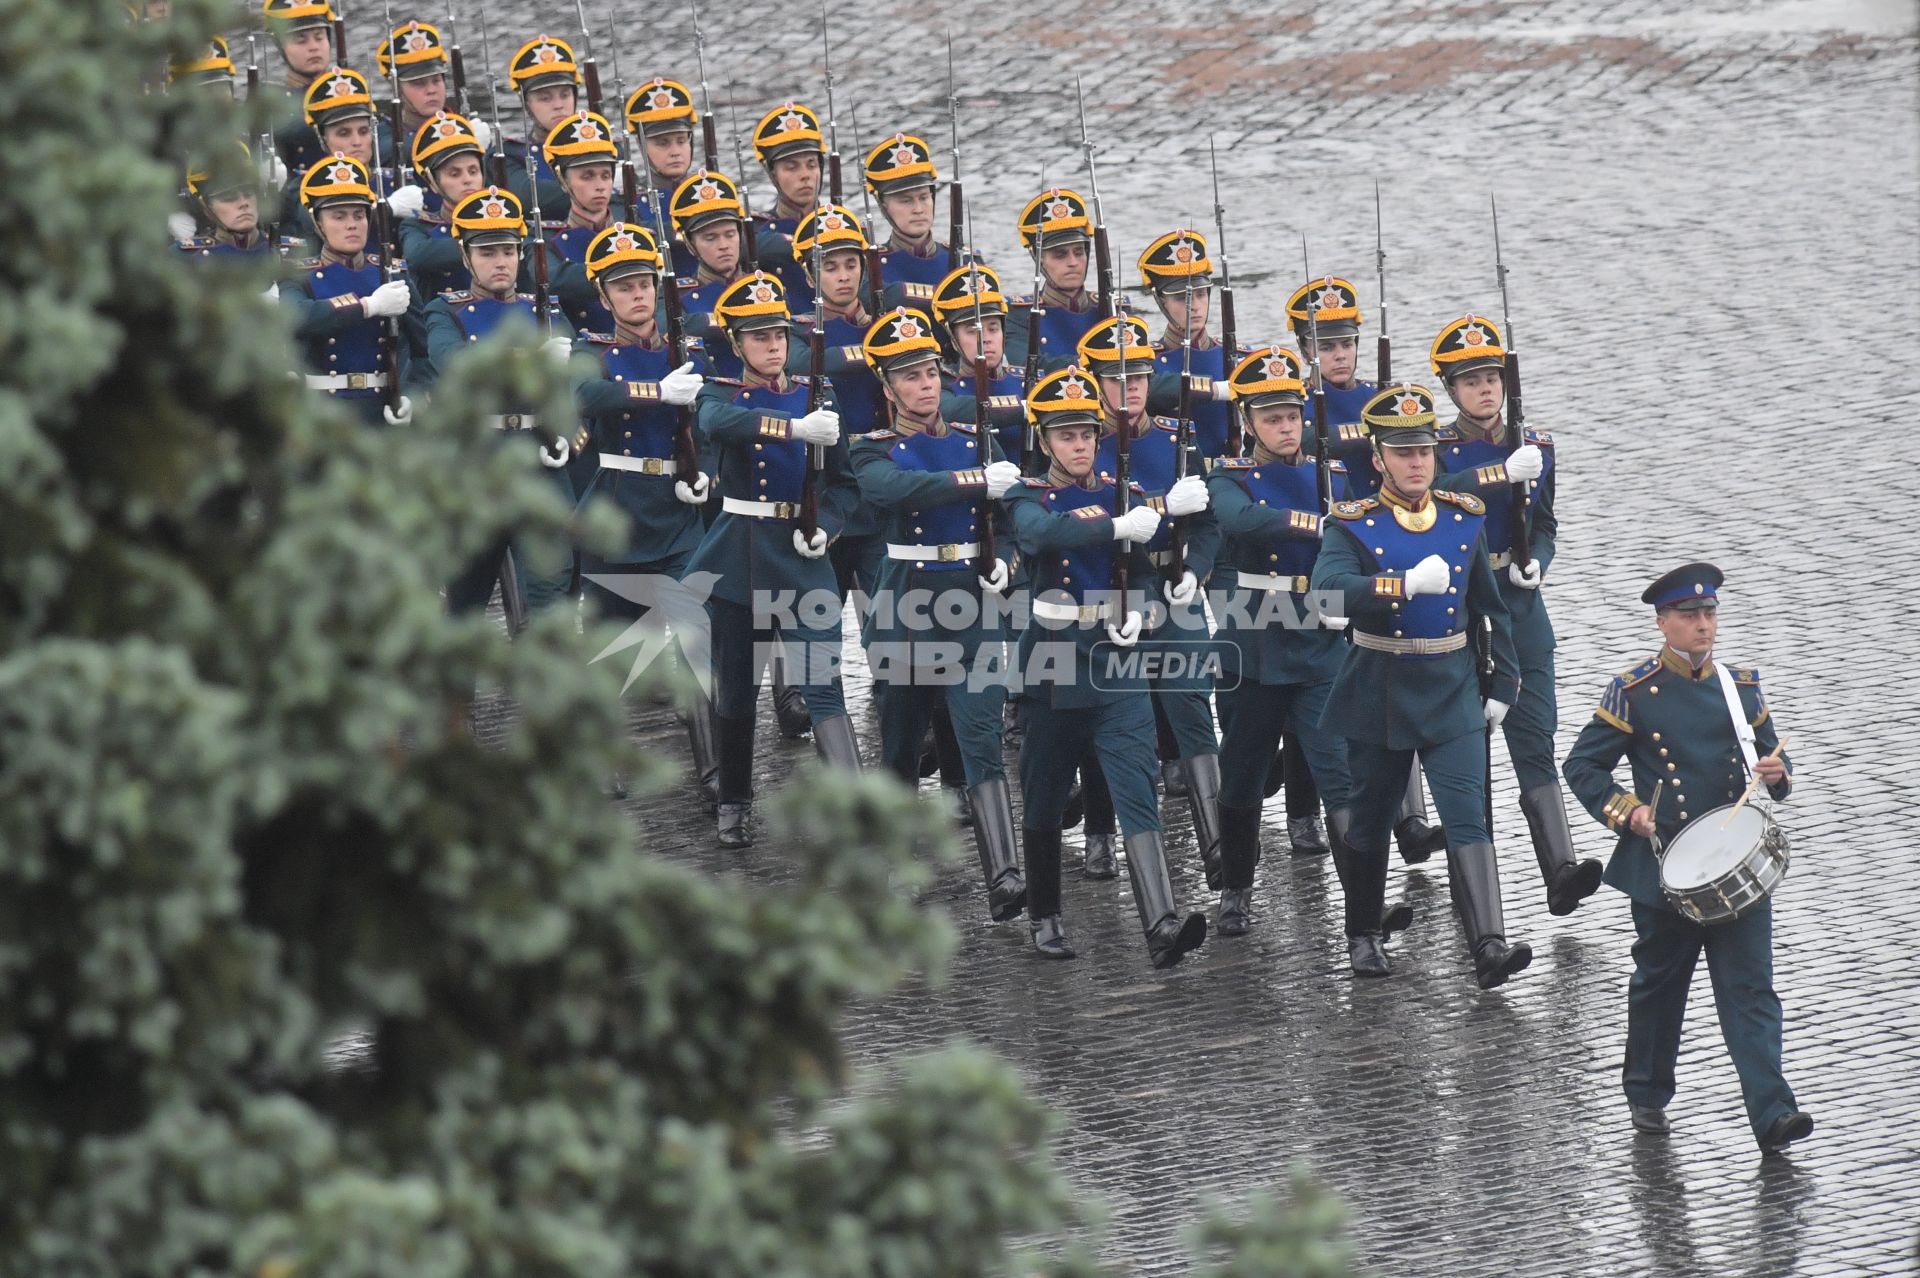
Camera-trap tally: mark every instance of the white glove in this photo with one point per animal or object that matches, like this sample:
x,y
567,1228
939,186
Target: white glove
x,y
181,226
558,349
556,455
1187,496
1526,576
810,549
407,203
821,426
696,493
1180,593
1222,389
483,134
1137,525
1496,712
273,173
271,293
997,579
402,418
1428,577
682,385
1127,633
1525,464
1001,476
391,298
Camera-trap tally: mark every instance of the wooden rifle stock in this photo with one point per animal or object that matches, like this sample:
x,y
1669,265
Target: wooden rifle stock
x,y
816,456
1519,530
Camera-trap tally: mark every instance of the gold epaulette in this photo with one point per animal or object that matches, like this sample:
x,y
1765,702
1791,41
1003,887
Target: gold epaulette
x,y
1465,501
1640,673
965,428
1538,438
1167,423
1355,509
1746,675
1446,435
1234,463
456,295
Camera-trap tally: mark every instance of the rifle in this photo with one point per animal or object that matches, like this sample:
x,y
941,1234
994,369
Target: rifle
x,y
589,65
629,178
955,201
1236,441
456,63
496,162
1519,534
749,251
1322,429
982,390
833,133
256,110
339,35
866,207
809,517
551,444
707,138
1183,440
1385,348
395,116
389,255
1110,302
1032,456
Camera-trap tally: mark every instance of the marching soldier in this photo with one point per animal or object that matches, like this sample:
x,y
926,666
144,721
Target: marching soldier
x,y
1693,731
226,192
421,67
1069,523
971,307
631,404
1268,508
1409,566
709,219
662,115
339,109
1468,358
1176,269
490,231
213,69
303,32
933,482
901,175
1336,319
1055,229
580,149
449,154
1183,701
789,145
767,427
340,299
547,78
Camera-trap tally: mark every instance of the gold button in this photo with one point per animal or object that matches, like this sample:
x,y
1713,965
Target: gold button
x,y
1273,559
1683,816
1379,550
1671,766
1449,612
1663,754
1656,737
1654,689
626,435
1397,634
1369,523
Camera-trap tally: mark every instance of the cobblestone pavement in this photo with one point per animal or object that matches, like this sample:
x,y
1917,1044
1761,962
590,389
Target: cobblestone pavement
x,y
1710,215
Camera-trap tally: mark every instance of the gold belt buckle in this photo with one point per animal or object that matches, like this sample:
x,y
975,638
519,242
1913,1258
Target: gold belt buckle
x,y
786,510
356,381
510,421
949,554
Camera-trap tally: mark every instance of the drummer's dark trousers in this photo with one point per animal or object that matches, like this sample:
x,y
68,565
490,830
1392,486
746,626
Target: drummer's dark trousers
x,y
1740,962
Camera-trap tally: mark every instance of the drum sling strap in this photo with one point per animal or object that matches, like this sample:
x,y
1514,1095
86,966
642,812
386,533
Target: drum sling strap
x,y
1742,730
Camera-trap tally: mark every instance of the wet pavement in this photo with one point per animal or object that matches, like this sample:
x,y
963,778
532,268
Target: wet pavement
x,y
1709,212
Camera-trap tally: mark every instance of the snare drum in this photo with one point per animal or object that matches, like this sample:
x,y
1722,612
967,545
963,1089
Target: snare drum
x,y
1714,875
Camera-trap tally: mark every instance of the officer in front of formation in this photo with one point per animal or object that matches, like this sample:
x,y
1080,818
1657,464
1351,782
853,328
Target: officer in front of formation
x,y
490,230
1268,508
938,641
1477,456
636,399
1077,527
341,301
1410,566
1055,229
770,431
1332,332
1673,718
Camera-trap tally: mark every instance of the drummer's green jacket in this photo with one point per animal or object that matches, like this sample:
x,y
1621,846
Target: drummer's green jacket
x,y
1671,723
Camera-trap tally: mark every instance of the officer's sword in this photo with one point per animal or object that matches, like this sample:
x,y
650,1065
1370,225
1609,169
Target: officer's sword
x,y
1519,534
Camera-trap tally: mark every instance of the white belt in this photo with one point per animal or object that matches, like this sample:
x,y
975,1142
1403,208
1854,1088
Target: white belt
x,y
347,381
1273,582
949,554
760,509
639,465
513,421
1419,647
1053,610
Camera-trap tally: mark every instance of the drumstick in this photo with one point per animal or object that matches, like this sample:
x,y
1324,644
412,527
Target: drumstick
x,y
1753,783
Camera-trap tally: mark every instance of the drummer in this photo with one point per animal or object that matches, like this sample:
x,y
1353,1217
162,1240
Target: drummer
x,y
1671,717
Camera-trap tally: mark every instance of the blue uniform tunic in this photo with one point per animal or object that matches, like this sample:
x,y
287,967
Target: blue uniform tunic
x,y
337,340
934,624
1210,416
1060,331
1671,723
632,436
1350,442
